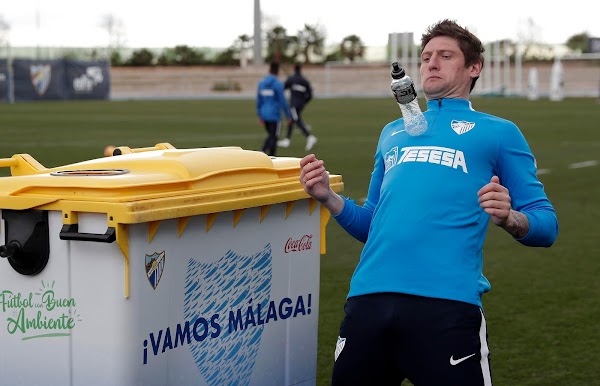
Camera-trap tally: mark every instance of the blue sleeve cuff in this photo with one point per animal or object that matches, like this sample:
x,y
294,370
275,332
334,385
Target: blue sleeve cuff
x,y
543,229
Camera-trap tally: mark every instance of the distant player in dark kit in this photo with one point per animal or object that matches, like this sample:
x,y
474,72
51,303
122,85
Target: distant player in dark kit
x,y
270,101
300,95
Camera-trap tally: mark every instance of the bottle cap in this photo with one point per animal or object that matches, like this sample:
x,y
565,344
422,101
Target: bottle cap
x,y
397,71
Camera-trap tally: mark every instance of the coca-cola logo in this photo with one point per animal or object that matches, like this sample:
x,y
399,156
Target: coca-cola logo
x,y
302,244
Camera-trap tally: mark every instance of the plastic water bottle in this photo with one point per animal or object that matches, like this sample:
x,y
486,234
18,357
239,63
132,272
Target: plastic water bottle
x,y
406,96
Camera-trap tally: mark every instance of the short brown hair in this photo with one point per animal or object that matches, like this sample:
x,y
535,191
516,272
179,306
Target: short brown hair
x,y
469,44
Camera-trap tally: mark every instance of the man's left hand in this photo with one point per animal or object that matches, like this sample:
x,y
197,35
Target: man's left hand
x,y
495,200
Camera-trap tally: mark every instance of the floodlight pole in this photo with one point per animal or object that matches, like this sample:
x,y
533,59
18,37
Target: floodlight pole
x,y
37,27
258,58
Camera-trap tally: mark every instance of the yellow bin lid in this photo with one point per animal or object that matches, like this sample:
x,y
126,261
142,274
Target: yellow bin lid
x,y
157,183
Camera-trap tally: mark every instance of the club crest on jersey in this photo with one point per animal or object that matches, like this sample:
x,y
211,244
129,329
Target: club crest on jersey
x,y
391,158
155,264
461,127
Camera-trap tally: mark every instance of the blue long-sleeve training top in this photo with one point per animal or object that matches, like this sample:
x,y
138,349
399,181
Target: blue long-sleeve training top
x,y
422,224
270,99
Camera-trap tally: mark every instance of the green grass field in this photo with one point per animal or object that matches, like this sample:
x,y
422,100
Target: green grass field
x,y
543,311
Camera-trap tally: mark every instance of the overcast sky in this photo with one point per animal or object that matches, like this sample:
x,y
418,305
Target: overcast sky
x,y
217,23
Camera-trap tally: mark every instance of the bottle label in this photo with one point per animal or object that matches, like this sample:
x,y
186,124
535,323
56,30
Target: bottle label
x,y
405,95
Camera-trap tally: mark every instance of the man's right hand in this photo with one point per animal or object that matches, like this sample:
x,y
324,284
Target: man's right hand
x,y
315,181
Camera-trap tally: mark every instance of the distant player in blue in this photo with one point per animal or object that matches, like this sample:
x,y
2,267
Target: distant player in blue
x,y
414,308
270,101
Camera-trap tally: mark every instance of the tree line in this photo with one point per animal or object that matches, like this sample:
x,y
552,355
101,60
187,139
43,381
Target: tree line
x,y
307,46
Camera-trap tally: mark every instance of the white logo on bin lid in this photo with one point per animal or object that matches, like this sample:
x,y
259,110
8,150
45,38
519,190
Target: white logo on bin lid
x,y
302,244
155,264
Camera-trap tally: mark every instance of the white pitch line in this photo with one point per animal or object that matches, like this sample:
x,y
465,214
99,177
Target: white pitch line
x,y
543,171
584,164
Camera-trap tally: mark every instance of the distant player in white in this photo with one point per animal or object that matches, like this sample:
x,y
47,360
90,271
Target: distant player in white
x,y
414,308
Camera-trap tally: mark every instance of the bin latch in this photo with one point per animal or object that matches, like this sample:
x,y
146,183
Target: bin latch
x,y
27,244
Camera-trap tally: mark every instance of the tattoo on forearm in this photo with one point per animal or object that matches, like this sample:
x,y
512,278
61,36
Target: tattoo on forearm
x,y
519,227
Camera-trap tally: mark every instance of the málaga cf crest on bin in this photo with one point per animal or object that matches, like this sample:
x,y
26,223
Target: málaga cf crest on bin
x,y
155,264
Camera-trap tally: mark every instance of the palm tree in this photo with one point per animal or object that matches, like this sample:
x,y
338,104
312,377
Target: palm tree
x,y
278,43
311,40
352,47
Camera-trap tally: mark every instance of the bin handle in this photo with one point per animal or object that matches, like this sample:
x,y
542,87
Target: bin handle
x,y
8,162
71,232
127,150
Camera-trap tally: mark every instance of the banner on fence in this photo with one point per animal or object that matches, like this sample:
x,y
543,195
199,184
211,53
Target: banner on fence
x,y
38,79
87,79
4,80
60,79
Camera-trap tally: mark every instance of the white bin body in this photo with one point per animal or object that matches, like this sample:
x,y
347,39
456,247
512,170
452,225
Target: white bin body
x,y
228,300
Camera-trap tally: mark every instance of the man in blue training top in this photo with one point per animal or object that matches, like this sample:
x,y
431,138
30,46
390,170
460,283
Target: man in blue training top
x,y
414,307
270,101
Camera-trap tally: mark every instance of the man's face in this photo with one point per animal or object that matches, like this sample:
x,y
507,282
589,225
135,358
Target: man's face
x,y
443,72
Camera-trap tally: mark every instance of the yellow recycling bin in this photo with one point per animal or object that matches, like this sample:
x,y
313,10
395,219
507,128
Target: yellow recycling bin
x,y
160,266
